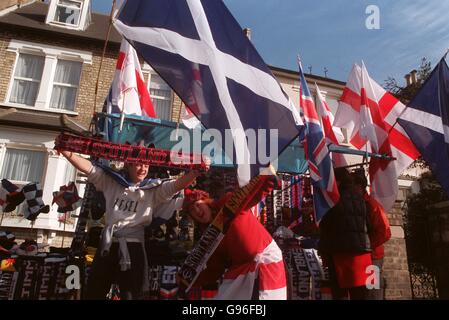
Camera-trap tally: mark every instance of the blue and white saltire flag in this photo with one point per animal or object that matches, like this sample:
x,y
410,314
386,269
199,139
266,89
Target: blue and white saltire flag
x,y
426,121
178,38
325,190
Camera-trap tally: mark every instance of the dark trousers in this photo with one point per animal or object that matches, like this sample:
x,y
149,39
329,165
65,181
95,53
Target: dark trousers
x,y
106,270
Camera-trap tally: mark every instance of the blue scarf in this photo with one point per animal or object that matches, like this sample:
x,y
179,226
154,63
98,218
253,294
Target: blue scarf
x,y
122,178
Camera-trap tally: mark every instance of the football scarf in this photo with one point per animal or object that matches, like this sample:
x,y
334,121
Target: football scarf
x,y
129,153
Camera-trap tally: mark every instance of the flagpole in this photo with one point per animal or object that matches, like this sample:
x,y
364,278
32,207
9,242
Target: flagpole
x,y
179,119
104,53
397,120
122,116
360,153
365,157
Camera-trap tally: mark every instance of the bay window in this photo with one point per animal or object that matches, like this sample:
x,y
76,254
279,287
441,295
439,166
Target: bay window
x,y
161,96
46,77
21,166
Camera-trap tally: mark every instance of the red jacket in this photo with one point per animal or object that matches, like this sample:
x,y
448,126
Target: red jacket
x,y
351,269
380,227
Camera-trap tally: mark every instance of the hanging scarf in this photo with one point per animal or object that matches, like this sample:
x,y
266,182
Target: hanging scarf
x,y
269,205
277,201
45,288
8,282
67,198
168,286
316,272
29,270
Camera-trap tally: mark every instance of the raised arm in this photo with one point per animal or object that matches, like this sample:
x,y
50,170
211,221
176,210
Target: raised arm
x,y
78,162
170,188
186,180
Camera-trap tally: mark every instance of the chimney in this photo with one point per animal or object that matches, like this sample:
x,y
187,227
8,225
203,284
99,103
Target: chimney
x,y
408,79
247,32
414,77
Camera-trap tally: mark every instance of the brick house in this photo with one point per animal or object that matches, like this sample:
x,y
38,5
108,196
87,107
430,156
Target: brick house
x,y
51,55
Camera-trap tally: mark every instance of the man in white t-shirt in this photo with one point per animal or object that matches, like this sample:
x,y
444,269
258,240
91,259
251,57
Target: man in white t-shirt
x,y
129,208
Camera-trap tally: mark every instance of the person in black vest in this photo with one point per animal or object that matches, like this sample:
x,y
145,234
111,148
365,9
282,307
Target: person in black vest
x,y
344,241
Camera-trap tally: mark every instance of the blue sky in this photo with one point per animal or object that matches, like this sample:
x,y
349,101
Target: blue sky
x,y
332,33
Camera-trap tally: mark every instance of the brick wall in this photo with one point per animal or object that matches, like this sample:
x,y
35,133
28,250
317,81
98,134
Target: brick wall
x,y
9,3
62,239
22,234
8,59
396,272
176,106
59,240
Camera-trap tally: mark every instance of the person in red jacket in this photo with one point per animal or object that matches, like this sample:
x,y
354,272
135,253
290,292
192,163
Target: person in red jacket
x,y
379,233
344,241
248,258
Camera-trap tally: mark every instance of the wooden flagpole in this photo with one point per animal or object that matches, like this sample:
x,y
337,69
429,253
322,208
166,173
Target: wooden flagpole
x,y
179,119
103,54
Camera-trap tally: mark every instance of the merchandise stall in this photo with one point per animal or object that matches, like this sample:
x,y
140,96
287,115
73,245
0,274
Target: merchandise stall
x,y
30,272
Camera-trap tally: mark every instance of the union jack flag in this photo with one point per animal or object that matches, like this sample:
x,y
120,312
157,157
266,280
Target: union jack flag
x,y
325,191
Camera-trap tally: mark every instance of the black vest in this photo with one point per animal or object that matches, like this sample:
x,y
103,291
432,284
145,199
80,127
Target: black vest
x,y
344,229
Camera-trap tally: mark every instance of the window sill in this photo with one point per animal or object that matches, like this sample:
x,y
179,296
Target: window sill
x,y
65,25
20,106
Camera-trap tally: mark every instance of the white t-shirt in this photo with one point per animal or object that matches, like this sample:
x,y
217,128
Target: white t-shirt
x,y
132,206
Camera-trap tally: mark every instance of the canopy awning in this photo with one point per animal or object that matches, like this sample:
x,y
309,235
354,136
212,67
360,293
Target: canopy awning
x,y
167,135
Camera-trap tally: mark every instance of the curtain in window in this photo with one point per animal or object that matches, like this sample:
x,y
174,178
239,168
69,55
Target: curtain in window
x,y
27,78
161,96
67,78
162,103
23,165
70,173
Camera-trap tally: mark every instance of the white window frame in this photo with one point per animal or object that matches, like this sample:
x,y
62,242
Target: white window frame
x,y
14,77
83,17
52,54
66,85
5,146
147,70
25,147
